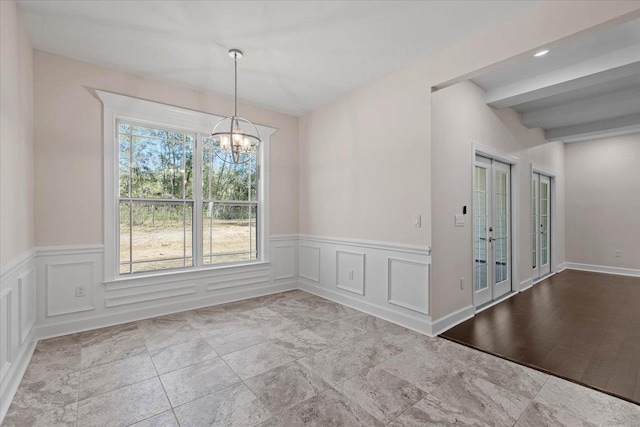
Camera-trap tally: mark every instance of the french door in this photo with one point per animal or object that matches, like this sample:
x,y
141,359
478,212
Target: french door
x,y
491,230
541,225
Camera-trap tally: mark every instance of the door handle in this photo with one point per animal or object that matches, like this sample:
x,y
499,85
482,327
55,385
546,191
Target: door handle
x,y
491,239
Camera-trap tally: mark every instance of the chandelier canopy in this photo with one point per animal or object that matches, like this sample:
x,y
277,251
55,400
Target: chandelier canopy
x,y
235,136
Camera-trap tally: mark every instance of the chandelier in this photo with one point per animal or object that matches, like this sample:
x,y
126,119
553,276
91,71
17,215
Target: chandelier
x,y
235,136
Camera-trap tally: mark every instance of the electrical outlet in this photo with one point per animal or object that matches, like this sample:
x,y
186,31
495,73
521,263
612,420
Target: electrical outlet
x,y
462,283
80,291
351,275
618,253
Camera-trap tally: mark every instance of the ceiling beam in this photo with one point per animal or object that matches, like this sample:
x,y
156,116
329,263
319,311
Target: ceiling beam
x,y
612,66
621,103
599,129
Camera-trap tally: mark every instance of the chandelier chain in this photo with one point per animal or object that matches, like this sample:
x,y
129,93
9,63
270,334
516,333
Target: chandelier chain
x,y
235,97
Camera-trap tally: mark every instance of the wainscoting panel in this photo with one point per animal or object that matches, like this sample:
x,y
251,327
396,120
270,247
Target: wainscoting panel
x,y
17,318
147,293
63,280
309,262
408,284
285,261
255,276
26,303
350,271
6,335
326,265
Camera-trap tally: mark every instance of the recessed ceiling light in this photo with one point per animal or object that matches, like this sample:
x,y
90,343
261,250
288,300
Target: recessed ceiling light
x,y
541,53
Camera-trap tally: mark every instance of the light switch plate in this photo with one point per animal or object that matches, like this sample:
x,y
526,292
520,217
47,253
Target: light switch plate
x,y
417,221
459,220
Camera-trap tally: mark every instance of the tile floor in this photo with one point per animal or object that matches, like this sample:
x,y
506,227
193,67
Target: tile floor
x,y
289,359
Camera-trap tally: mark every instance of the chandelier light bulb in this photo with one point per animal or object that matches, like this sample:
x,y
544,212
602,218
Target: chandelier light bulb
x,y
246,144
225,143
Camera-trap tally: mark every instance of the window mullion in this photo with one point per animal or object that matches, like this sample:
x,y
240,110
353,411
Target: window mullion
x,y
130,193
198,228
184,206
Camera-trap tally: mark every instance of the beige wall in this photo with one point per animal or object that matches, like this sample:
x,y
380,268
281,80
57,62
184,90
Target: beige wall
x,y
365,160
460,116
68,139
16,136
603,201
362,175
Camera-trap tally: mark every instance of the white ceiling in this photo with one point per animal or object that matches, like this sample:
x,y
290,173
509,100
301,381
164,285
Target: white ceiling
x,y
583,89
298,55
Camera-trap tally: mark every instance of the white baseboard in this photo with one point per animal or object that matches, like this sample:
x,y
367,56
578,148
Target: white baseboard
x,y
447,322
561,267
11,381
526,284
603,269
415,323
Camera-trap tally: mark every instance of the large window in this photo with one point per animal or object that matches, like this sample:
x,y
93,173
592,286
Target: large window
x,y
180,204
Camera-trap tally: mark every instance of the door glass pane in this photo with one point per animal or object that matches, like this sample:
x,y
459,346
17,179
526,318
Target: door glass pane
x,y
501,225
480,243
534,221
544,223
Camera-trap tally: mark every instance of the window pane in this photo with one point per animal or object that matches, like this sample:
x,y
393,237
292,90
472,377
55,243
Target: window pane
x,y
162,165
161,236
224,180
145,131
124,128
124,142
188,171
158,170
125,239
229,233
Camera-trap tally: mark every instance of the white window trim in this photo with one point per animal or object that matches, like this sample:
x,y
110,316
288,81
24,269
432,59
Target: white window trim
x,y
123,107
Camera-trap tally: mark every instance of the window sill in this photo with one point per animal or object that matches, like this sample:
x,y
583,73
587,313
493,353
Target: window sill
x,y
185,274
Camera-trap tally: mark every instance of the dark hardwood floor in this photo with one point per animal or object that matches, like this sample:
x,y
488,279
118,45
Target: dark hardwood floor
x,y
581,326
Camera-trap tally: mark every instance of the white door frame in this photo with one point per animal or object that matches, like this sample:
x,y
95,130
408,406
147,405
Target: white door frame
x,y
491,153
552,177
